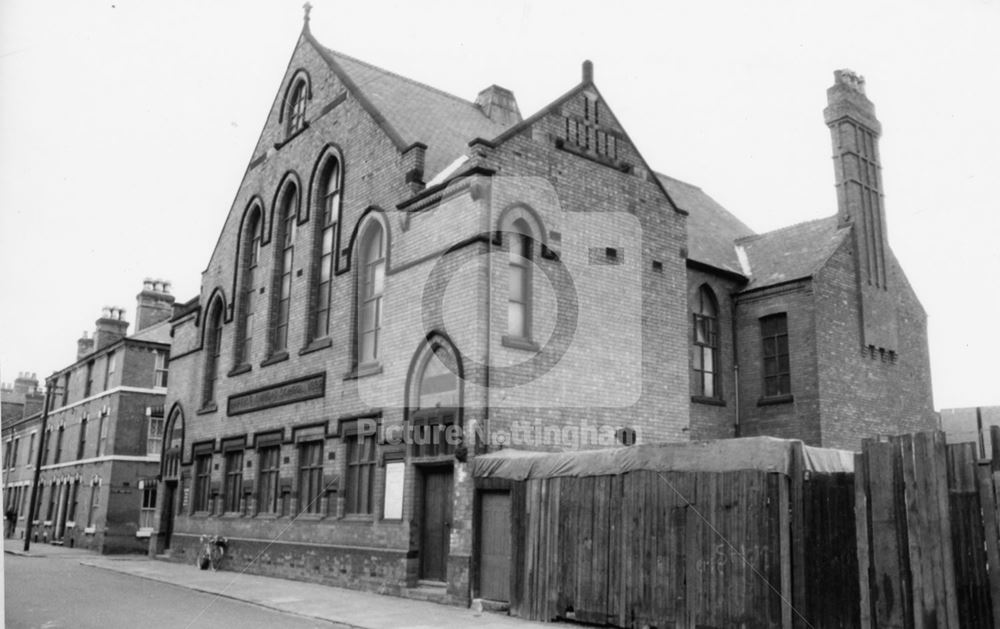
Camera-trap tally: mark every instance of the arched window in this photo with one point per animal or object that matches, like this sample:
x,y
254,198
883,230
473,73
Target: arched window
x,y
296,114
519,283
213,347
371,285
173,446
435,401
327,215
706,344
282,293
250,254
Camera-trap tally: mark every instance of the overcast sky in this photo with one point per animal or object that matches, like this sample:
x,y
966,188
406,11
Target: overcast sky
x,y
125,129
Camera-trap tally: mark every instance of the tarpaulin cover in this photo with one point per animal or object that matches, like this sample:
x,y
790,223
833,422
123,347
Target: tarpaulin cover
x,y
725,455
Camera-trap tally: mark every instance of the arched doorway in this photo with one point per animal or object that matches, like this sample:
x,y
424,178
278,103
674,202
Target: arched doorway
x,y
435,418
170,473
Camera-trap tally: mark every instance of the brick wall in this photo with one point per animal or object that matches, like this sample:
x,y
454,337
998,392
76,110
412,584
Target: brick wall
x,y
796,417
865,394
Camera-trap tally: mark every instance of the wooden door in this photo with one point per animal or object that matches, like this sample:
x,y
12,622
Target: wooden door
x,y
167,512
494,546
435,530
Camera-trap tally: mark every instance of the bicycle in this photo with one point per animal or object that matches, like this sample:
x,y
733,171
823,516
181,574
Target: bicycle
x,y
213,550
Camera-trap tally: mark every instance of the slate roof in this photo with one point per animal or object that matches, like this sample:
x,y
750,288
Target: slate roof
x,y
446,124
420,113
711,228
792,252
156,333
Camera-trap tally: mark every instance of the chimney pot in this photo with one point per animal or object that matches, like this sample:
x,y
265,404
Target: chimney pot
x,y
588,71
499,105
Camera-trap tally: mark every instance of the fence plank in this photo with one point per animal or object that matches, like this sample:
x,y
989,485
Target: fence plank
x,y
988,503
921,563
862,517
940,460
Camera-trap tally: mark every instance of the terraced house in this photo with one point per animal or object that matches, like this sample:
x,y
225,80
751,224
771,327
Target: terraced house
x,y
99,446
408,279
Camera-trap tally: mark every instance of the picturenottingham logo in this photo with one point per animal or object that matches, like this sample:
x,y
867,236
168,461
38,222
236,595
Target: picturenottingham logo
x,y
538,298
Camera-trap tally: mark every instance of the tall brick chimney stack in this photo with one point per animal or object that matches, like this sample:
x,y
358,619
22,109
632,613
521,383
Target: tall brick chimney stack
x,y
499,105
855,132
84,345
110,327
153,304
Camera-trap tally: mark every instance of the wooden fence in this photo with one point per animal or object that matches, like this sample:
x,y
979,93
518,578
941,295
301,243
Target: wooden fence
x,y
686,549
927,534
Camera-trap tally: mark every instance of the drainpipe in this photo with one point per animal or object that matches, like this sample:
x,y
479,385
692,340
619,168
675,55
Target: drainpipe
x,y
736,362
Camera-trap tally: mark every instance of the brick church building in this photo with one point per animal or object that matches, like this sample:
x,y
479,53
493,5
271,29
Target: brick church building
x,y
399,262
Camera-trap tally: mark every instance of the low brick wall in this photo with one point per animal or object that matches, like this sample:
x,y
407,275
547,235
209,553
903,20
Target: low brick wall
x,y
371,569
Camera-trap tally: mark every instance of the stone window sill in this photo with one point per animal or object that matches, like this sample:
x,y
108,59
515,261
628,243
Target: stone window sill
x,y
518,342
275,359
211,407
710,401
239,369
360,518
316,345
776,399
367,369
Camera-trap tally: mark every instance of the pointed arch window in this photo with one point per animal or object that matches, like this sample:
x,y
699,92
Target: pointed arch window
x,y
706,345
371,286
296,115
250,254
283,277
328,214
519,281
435,421
213,347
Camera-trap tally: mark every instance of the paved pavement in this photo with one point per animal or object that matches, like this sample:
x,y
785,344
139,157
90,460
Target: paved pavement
x,y
342,606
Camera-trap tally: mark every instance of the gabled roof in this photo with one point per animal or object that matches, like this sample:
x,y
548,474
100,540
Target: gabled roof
x,y
420,113
156,333
711,228
790,253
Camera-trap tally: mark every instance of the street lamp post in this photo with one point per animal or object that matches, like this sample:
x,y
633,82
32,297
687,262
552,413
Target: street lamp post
x,y
32,507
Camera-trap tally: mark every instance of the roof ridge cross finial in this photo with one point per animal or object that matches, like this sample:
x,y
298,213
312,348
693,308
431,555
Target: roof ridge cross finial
x,y
307,7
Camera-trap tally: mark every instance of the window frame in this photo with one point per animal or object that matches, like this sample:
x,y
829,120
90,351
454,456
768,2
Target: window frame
x,y
232,486
161,369
213,353
359,474
705,340
201,493
296,113
283,276
371,276
81,445
309,477
327,222
249,266
269,480
774,348
109,369
521,263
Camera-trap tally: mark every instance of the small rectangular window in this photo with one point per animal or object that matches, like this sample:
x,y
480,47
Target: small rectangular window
x,y
154,432
310,476
269,468
360,473
777,368
233,489
202,481
81,445
147,510
109,370
89,384
159,369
